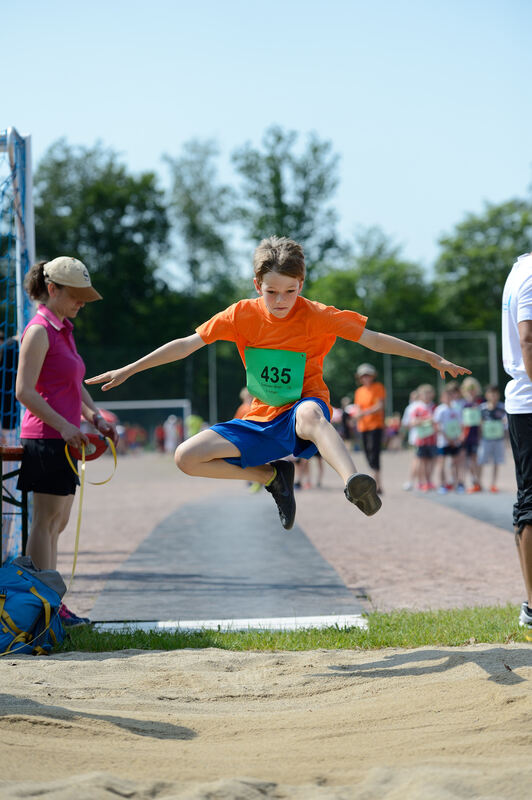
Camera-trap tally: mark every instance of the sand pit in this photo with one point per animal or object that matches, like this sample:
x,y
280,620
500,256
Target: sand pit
x,y
427,723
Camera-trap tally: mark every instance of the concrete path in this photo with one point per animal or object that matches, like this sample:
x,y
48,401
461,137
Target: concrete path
x,y
224,558
143,540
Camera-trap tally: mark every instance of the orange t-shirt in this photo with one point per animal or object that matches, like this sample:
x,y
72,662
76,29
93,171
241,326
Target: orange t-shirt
x,y
365,397
310,328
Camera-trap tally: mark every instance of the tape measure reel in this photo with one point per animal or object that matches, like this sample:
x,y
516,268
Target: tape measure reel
x,y
97,445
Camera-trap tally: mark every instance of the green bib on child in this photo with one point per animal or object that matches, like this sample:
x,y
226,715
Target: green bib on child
x,y
275,376
493,429
471,417
452,429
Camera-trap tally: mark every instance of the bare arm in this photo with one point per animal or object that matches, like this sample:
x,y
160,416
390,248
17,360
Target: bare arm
x,y
32,354
383,343
171,351
525,340
92,415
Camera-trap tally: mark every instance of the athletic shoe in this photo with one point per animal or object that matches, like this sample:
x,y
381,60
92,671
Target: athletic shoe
x,y
443,490
525,617
69,619
460,489
361,490
408,486
282,491
493,489
255,487
474,489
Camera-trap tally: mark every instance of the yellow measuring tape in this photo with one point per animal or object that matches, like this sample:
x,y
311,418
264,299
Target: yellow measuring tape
x,y
81,490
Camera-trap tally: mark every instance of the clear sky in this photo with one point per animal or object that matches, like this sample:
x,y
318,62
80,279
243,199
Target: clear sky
x,y
428,103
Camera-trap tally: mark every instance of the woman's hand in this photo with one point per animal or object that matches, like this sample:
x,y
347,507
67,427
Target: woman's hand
x,y
106,428
110,379
73,436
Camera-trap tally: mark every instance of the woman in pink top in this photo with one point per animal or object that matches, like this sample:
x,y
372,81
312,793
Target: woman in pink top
x,y
50,386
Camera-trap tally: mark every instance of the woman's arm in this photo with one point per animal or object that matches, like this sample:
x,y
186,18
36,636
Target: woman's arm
x,y
383,343
92,415
33,351
171,351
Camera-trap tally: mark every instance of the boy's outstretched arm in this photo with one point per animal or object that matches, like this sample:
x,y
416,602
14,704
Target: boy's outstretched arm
x,y
383,343
171,351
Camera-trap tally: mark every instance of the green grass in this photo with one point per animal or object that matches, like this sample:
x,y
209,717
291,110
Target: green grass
x,y
496,624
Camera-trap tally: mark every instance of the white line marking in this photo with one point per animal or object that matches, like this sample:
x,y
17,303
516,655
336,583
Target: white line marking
x,y
268,624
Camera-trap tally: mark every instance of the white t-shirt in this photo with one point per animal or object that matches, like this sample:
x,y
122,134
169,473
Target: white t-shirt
x,y
449,422
516,307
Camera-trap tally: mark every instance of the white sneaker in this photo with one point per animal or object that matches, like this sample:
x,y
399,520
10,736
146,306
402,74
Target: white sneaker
x,y
407,487
525,619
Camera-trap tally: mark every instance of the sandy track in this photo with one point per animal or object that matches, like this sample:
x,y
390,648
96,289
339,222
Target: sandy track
x,y
424,723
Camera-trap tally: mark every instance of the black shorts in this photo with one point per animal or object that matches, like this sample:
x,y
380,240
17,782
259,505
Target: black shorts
x,y
44,468
520,430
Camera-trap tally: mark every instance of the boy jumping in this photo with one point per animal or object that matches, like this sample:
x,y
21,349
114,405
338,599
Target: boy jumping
x,y
282,339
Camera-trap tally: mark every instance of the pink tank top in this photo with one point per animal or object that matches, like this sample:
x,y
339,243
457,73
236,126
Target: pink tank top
x,y
60,379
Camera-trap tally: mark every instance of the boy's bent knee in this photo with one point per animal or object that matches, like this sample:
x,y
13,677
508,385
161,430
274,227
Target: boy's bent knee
x,y
308,417
184,459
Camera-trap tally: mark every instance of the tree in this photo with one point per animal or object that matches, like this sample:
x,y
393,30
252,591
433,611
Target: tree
x,y
201,211
288,194
391,292
475,260
88,206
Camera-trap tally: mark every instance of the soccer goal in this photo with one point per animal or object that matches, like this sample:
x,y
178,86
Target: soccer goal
x,y
171,418
17,254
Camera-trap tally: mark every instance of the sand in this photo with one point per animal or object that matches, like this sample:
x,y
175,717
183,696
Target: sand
x,y
382,725
423,724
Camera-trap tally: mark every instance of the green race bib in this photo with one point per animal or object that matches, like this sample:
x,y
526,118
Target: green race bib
x,y
424,429
452,429
493,429
275,376
471,417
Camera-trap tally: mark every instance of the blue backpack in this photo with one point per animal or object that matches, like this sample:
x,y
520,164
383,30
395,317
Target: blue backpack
x,y
29,608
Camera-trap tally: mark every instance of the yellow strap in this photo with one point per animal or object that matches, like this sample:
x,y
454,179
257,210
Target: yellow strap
x,y
46,606
81,492
93,483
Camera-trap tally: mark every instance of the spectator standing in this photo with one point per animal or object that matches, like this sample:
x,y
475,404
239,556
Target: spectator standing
x,y
517,361
449,433
493,427
422,421
413,479
471,419
369,400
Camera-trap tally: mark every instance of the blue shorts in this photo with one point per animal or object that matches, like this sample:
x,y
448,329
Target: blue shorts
x,y
262,442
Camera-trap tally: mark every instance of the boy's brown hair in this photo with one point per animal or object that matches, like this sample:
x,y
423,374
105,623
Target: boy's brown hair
x,y
279,254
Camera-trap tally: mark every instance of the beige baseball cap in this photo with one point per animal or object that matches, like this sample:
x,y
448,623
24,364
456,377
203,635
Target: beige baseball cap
x,y
365,369
70,272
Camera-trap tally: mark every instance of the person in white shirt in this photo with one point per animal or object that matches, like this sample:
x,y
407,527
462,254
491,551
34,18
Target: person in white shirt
x,y
448,421
517,362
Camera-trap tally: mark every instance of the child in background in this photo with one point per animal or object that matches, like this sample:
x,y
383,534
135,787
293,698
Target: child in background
x,y
448,422
422,421
493,426
471,419
413,479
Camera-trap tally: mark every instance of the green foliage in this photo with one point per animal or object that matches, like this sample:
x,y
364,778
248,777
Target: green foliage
x,y
88,206
405,629
475,260
391,292
288,194
201,211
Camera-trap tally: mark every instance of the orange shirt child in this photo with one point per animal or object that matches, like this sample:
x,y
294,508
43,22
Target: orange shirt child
x,y
366,397
310,328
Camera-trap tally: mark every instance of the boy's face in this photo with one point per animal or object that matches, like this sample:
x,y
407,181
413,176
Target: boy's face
x,y
280,293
